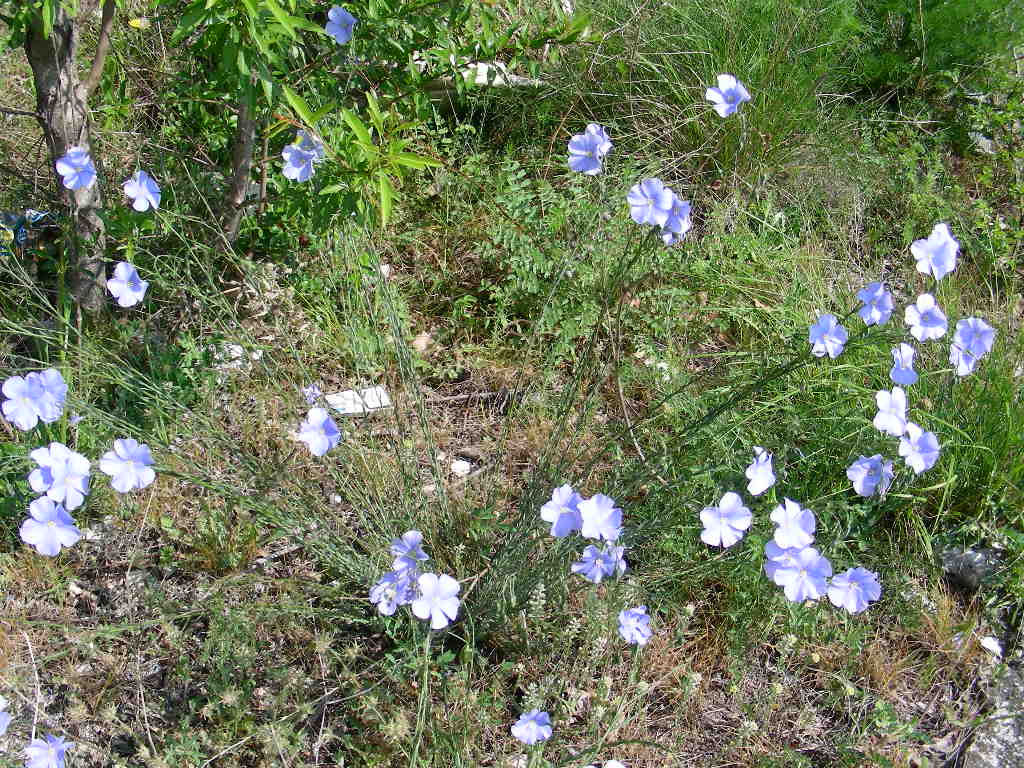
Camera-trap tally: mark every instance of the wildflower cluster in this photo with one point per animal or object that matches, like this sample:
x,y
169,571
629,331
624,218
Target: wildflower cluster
x,y
77,171
61,475
431,596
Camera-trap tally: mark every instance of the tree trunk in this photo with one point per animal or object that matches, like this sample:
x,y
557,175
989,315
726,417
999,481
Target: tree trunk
x,y
64,115
241,166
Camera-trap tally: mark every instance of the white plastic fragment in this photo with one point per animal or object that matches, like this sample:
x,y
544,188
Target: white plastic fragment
x,y
461,467
353,403
992,645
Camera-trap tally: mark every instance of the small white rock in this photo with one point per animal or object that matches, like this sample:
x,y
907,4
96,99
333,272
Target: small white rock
x,y
461,467
352,402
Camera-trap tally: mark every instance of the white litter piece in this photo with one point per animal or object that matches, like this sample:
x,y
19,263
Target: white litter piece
x,y
461,467
992,645
353,403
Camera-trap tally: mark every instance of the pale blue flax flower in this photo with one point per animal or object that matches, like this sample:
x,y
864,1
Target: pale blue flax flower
x,y
48,752
532,726
126,286
5,716
562,511
827,337
918,448
48,527
760,473
129,465
891,418
408,551
777,557
870,475
805,577
903,365
597,564
925,319
143,191
76,169
724,525
728,96
600,518
300,157
395,588
588,149
22,406
635,625
437,599
678,223
319,431
651,202
854,589
972,340
795,525
936,256
62,474
312,393
55,390
877,304
340,24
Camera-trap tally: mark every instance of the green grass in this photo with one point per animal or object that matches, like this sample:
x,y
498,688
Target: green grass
x,y
221,617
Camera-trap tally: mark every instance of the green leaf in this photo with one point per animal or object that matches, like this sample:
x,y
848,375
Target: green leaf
x,y
416,162
193,15
331,189
387,197
282,18
358,128
298,104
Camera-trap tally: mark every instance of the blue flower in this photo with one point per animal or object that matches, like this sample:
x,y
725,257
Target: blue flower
x,y
588,149
870,475
804,576
562,511
38,396
903,365
437,600
143,191
936,256
597,564
918,448
300,157
651,202
827,336
777,557
126,286
600,518
854,589
408,551
48,527
728,96
312,393
891,418
5,717
129,465
760,473
678,223
972,340
76,169
634,625
22,407
724,525
340,24
925,319
532,726
877,304
795,525
47,754
319,432
394,589
63,475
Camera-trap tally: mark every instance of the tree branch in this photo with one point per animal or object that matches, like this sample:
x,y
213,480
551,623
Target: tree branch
x,y
102,48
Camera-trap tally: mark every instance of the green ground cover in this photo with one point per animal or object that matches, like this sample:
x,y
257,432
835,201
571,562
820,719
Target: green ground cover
x,y
521,322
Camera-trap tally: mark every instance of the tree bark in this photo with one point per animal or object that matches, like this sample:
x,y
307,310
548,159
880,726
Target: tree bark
x,y
64,116
241,166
